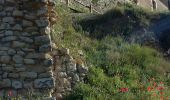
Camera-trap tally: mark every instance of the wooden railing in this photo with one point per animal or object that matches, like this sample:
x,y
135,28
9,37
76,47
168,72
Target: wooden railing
x,y
91,7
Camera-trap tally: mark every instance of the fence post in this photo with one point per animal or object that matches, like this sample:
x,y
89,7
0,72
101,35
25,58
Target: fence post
x,y
67,2
169,4
91,8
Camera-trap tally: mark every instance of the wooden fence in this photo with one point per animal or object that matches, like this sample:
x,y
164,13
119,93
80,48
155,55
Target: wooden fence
x,y
91,7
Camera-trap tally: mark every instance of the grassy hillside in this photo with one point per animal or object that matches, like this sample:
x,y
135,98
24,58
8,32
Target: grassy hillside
x,y
118,70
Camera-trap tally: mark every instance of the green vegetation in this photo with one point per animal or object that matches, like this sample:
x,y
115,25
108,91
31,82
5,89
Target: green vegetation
x,y
118,70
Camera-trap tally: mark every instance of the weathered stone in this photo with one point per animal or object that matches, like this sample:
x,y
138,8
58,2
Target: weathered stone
x,y
71,67
62,74
17,84
5,83
26,23
30,17
25,58
20,69
11,52
45,48
44,83
48,62
21,53
3,53
8,68
9,9
29,61
31,75
76,78
5,59
81,68
28,85
7,33
18,59
38,56
13,75
19,65
17,27
4,48
2,2
45,75
17,44
5,75
26,39
9,20
46,30
2,14
9,38
5,26
10,1
17,13
42,39
42,11
42,23
31,29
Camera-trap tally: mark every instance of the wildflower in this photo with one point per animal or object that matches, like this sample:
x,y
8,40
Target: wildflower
x,y
124,90
154,95
160,88
10,93
154,84
149,89
161,83
161,93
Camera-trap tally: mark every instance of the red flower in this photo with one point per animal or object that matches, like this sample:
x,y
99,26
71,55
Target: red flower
x,y
160,88
161,93
149,89
124,90
154,84
161,83
10,93
154,94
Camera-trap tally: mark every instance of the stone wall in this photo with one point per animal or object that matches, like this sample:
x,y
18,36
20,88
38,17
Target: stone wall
x,y
25,44
67,71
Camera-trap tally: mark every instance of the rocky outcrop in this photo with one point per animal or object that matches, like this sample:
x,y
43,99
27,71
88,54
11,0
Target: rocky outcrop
x,y
25,44
67,71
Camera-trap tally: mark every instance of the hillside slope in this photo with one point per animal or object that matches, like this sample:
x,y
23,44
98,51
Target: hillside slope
x,y
117,69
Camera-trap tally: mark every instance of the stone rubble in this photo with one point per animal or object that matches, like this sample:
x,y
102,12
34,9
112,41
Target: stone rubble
x,y
67,72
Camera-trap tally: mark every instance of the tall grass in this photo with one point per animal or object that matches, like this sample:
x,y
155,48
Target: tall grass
x,y
117,70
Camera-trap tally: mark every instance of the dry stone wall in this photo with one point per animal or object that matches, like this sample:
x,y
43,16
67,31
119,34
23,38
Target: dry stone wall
x,y
25,44
68,72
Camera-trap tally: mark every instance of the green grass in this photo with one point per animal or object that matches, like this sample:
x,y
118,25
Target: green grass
x,y
113,63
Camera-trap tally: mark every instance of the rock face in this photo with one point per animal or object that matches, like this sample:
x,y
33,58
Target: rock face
x,y
24,45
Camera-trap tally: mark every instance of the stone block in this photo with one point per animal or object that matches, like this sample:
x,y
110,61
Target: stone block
x,y
29,61
18,59
5,83
17,84
46,83
30,75
5,59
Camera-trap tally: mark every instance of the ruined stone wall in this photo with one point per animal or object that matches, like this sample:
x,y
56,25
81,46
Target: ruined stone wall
x,y
25,44
68,72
